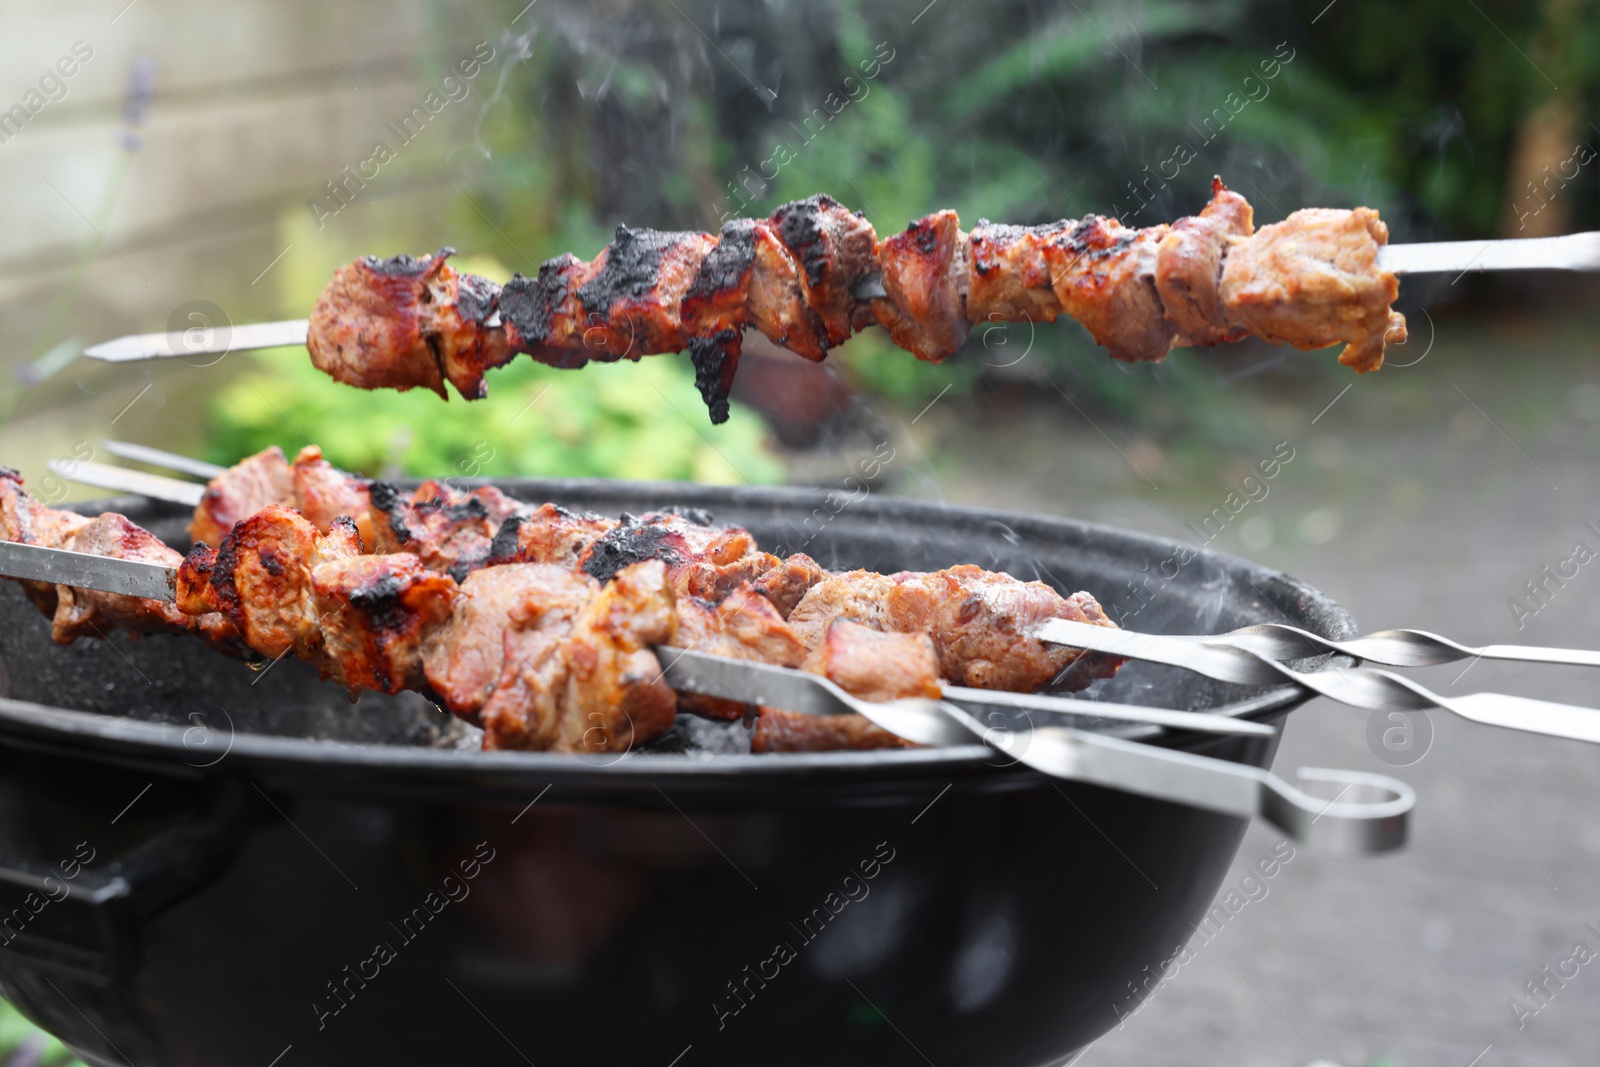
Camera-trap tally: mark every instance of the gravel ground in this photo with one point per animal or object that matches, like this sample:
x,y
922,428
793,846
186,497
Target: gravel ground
x,y
1425,496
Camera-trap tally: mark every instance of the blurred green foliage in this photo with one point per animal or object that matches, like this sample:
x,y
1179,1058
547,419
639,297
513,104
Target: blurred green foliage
x,y
18,1034
639,421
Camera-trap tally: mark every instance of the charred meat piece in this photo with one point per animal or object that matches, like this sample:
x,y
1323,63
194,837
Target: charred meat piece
x,y
239,492
836,249
716,309
980,621
403,322
925,275
376,611
623,304
777,302
260,578
448,529
703,560
550,534
1189,268
1104,275
1312,280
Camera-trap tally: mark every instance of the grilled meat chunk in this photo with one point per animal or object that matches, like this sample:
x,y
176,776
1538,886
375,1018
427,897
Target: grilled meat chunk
x,y
78,612
548,533
464,658
745,626
1312,280
925,275
403,322
239,492
1189,268
1104,275
980,622
323,493
1009,280
376,612
704,561
89,611
871,664
27,521
836,249
787,582
260,578
876,665
577,672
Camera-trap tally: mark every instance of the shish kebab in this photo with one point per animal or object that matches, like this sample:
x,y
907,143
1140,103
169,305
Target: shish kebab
x,y
814,272
1373,819
544,632
449,530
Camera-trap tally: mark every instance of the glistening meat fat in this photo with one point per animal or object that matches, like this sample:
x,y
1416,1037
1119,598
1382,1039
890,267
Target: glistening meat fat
x,y
814,273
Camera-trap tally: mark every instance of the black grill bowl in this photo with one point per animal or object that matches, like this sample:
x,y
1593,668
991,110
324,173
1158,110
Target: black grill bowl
x,y
259,869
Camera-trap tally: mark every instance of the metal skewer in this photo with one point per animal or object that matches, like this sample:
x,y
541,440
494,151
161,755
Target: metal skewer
x,y
1361,687
1368,814
1393,648
1578,251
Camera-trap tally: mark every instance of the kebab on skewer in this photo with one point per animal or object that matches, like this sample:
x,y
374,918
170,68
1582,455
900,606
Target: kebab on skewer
x,y
540,651
814,273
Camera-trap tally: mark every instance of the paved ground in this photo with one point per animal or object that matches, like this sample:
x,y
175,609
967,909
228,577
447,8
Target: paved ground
x,y
1426,496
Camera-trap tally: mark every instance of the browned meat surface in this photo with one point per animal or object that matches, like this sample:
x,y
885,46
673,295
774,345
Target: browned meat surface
x,y
871,664
239,492
261,580
980,622
875,664
616,695
777,301
551,534
836,248
1104,275
79,612
323,493
578,674
1189,268
1312,280
787,582
925,274
703,560
88,611
26,521
403,322
374,613
464,658
1009,280
859,595
777,730
745,626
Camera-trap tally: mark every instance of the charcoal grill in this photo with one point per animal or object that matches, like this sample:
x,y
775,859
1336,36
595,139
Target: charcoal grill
x,y
255,838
